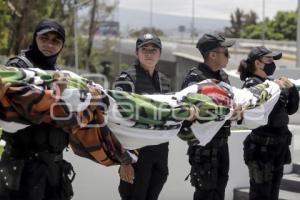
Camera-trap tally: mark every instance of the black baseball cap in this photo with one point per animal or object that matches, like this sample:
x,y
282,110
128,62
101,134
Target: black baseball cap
x,y
211,41
49,25
148,38
260,51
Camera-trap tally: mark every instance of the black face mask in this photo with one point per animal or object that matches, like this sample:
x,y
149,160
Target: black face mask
x,y
269,69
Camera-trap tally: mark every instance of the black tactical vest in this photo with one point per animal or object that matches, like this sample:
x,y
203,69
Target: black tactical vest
x,y
203,72
21,61
278,116
145,84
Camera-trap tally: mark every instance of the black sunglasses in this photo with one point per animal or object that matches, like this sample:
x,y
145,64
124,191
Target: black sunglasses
x,y
226,52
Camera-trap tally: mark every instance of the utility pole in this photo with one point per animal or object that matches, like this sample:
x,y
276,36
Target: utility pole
x,y
193,21
263,34
75,36
151,14
298,37
120,40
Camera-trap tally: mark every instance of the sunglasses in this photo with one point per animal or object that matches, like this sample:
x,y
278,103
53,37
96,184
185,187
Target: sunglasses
x,y
226,52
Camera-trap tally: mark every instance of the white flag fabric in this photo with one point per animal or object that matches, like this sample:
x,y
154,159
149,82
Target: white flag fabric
x,y
258,102
138,120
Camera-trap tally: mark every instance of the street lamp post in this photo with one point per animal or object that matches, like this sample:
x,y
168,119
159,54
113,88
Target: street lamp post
x,y
193,21
298,37
263,33
75,37
120,40
151,13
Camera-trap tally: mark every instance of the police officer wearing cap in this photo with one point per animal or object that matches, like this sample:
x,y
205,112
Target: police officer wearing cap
x,y
144,180
32,166
210,163
266,148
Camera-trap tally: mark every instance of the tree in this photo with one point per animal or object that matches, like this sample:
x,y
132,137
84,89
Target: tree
x,y
236,20
250,18
255,31
285,23
282,27
138,32
30,12
99,13
239,19
19,18
5,26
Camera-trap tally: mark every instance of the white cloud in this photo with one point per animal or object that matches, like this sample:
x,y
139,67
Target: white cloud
x,y
211,9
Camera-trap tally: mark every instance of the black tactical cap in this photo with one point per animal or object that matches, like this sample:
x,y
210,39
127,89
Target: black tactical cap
x,y
260,51
49,25
211,41
148,38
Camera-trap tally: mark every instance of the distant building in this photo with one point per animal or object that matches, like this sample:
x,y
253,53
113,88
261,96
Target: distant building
x,y
109,28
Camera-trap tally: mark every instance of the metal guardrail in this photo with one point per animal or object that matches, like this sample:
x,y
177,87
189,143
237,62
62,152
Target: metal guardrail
x,y
285,46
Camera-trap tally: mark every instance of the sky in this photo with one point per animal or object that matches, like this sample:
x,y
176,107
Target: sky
x,y
220,9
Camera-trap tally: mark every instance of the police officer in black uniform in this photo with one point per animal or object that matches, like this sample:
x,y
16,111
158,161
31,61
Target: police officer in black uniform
x,y
32,166
266,149
210,163
144,180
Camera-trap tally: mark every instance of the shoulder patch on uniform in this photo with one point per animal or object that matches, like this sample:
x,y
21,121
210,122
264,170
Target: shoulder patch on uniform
x,y
123,75
251,81
118,88
193,74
